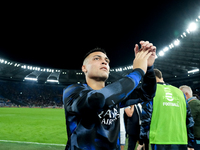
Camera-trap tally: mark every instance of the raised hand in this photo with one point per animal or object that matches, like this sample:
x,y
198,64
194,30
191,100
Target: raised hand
x,y
146,46
140,60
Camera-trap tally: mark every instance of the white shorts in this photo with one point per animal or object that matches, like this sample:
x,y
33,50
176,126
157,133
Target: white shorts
x,y
122,127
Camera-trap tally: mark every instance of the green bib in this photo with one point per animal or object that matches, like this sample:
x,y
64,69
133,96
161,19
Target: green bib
x,y
168,122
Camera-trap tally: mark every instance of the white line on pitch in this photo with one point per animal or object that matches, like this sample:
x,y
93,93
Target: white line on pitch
x,y
32,143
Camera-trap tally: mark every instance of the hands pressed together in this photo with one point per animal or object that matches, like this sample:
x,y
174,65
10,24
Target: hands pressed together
x,y
145,56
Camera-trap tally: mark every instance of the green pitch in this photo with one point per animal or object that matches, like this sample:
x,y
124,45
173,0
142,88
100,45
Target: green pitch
x,y
33,129
32,125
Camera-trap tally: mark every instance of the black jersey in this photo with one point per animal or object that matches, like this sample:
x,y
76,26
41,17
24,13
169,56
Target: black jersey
x,y
92,116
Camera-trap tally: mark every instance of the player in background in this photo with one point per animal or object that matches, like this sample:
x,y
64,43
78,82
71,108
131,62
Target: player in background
x,y
167,120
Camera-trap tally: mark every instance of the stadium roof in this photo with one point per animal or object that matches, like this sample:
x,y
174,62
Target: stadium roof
x,y
47,48
180,65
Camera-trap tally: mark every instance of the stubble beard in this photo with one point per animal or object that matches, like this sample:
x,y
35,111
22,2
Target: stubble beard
x,y
100,77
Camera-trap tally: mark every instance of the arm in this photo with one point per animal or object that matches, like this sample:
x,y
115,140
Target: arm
x,y
149,84
129,111
82,99
194,109
147,110
145,93
190,125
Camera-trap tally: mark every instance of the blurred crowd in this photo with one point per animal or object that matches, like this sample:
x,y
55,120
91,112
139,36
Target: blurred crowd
x,y
32,94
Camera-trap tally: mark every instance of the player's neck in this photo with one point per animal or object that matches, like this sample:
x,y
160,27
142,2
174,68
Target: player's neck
x,y
95,84
159,80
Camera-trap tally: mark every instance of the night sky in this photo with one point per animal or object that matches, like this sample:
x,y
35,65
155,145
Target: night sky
x,y
58,35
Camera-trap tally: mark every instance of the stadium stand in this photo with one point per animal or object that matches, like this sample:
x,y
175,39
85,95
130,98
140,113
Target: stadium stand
x,y
29,85
31,94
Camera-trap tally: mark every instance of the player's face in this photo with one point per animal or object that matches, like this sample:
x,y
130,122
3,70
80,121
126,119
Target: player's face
x,y
97,66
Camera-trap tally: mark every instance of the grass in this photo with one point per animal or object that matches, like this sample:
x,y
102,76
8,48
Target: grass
x,y
32,125
39,125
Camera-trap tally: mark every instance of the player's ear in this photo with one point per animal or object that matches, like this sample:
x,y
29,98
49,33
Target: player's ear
x,y
84,69
186,94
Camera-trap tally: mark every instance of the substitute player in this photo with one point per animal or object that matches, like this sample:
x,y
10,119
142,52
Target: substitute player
x,y
167,119
92,109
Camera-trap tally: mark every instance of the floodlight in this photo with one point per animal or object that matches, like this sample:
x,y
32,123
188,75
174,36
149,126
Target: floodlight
x,y
192,26
165,49
32,79
161,53
176,42
192,71
171,46
50,80
124,68
119,69
130,67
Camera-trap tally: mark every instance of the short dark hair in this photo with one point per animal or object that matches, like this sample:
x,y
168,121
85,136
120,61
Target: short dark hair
x,y
158,73
94,50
